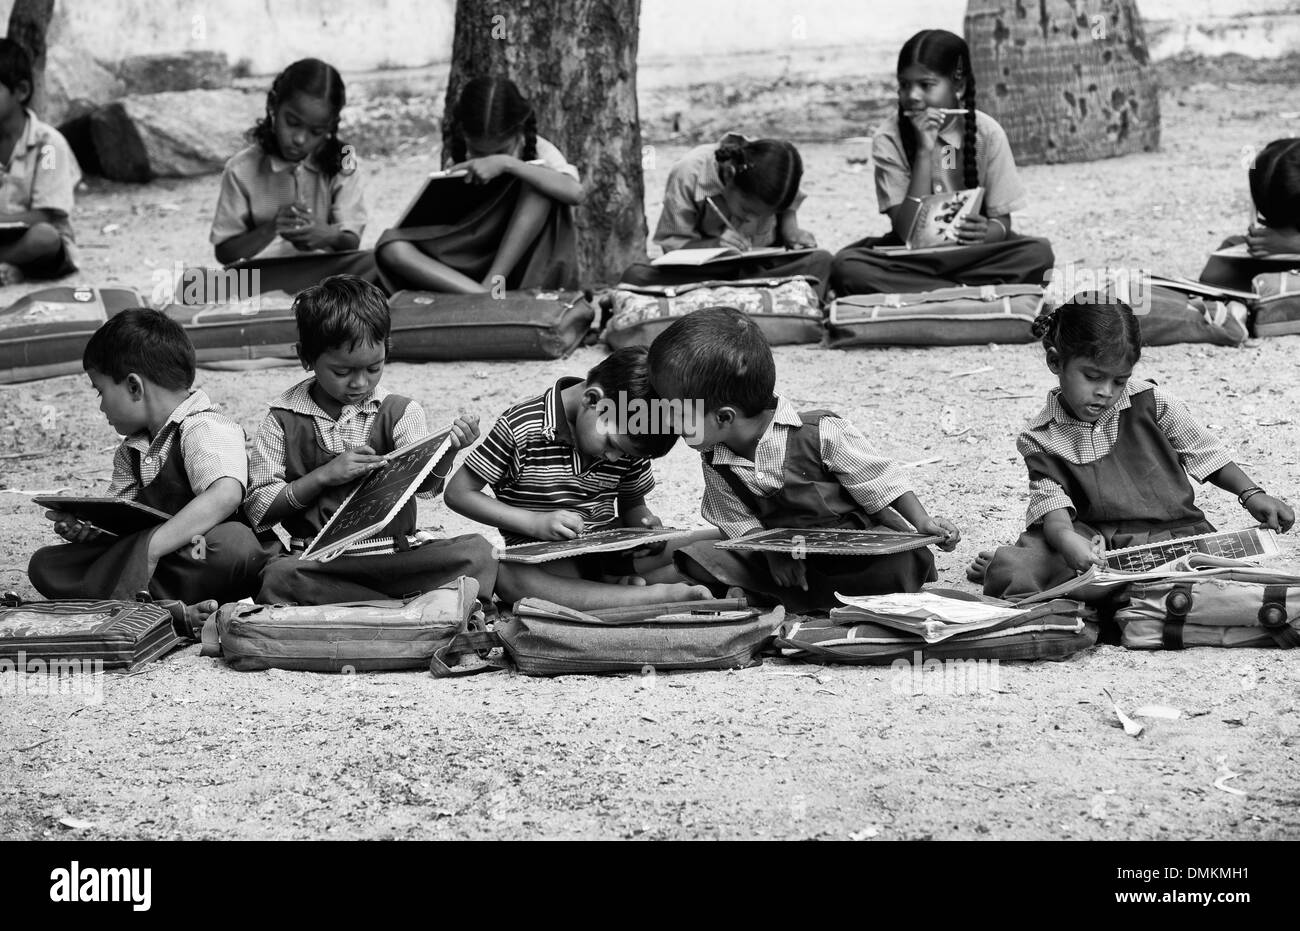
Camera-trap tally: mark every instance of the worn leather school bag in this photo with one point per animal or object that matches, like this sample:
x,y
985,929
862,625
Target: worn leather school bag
x,y
787,310
122,635
1233,605
546,639
1277,308
1053,630
353,637
531,324
943,317
43,333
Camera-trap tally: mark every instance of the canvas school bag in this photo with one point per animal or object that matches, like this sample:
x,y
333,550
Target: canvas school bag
x,y
1233,605
944,317
1053,630
43,333
357,636
1277,308
531,324
123,635
787,310
546,639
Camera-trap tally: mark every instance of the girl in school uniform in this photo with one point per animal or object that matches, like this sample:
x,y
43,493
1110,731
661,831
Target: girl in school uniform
x,y
291,204
1275,195
521,235
926,148
740,193
1108,458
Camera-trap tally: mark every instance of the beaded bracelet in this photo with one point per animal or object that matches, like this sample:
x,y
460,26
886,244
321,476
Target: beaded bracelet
x,y
1248,494
293,501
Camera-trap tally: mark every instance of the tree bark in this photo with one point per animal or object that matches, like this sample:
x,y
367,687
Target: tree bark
x,y
1069,80
29,20
575,61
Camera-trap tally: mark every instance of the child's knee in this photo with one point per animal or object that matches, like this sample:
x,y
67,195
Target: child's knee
x,y
233,547
43,239
39,570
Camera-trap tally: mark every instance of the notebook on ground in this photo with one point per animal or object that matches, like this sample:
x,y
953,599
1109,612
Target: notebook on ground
x,y
721,255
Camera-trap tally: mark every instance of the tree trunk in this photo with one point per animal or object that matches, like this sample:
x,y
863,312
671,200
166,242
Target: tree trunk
x,y
1069,80
28,22
575,61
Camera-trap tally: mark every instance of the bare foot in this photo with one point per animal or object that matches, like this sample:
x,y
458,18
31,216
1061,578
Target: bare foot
x,y
680,591
11,274
197,613
629,580
735,592
979,566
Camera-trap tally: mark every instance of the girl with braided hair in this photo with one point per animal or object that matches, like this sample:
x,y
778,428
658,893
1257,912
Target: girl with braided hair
x,y
291,203
742,193
938,141
520,233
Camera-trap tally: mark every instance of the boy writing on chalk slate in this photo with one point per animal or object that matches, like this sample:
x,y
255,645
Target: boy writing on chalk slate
x,y
768,465
575,460
180,456
333,428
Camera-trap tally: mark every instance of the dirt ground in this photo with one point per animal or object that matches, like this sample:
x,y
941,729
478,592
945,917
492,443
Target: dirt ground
x,y
190,749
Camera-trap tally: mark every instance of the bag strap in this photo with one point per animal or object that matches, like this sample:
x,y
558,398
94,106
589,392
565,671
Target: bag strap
x,y
1273,618
467,641
209,637
1177,605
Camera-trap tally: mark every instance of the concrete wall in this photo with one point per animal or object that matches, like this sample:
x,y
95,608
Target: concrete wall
x,y
357,35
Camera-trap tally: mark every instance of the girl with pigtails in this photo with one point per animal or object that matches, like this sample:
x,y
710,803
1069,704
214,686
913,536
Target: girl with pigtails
x,y
938,141
520,234
291,204
739,193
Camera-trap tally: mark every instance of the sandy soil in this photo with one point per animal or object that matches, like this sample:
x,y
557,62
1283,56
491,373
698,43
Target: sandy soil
x,y
188,748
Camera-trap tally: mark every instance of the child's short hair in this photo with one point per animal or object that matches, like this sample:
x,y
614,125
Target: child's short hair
x,y
15,67
145,342
1091,326
343,310
717,356
624,376
768,169
1275,183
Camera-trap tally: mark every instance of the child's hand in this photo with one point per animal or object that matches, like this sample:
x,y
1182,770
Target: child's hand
x,y
482,170
464,431
650,549
800,239
941,527
1270,512
1264,240
787,571
735,240
556,525
1079,554
71,529
927,123
310,235
351,465
972,229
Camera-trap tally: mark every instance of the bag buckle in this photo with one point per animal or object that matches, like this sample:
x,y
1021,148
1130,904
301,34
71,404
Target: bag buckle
x,y
1272,615
988,292
1178,603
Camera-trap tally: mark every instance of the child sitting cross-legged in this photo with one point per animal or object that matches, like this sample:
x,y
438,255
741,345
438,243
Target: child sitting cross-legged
x,y
558,466
768,465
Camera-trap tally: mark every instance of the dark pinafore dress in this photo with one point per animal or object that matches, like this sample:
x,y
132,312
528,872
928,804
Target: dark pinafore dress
x,y
410,570
1137,493
810,497
225,565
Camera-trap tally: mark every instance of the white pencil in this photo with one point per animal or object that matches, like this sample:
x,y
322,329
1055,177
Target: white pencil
x,y
946,112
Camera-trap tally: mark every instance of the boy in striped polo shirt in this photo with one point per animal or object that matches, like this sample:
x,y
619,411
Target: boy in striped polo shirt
x,y
566,463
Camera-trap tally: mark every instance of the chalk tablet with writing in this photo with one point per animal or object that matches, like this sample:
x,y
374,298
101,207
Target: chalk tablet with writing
x,y
818,542
379,496
117,516
600,541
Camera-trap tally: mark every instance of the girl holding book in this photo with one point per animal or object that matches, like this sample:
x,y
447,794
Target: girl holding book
x,y
520,234
739,194
939,142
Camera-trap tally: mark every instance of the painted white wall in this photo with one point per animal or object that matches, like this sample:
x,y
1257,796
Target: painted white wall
x,y
357,35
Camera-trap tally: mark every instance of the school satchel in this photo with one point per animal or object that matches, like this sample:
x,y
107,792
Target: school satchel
x,y
533,324
945,317
545,639
1053,630
787,310
120,635
1244,606
44,333
1277,309
360,636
